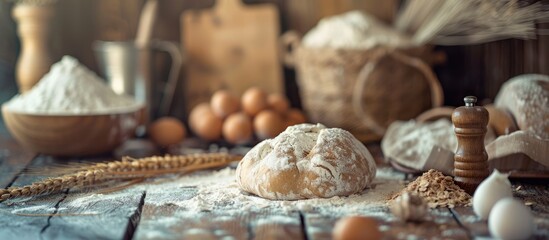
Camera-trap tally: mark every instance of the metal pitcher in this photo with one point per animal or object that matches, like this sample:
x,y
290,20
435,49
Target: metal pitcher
x,y
127,71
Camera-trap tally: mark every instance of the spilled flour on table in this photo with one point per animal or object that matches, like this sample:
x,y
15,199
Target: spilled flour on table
x,y
218,191
217,198
211,195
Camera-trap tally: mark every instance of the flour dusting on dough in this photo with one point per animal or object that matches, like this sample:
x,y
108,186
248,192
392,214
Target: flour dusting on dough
x,y
307,161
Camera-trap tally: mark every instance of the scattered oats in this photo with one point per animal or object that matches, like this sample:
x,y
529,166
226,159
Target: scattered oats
x,y
528,203
518,188
438,190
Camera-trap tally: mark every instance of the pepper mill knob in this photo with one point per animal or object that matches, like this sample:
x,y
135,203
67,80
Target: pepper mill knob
x,y
471,159
470,101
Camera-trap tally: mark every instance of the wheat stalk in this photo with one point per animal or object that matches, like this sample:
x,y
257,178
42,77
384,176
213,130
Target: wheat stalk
x,y
34,2
459,22
127,168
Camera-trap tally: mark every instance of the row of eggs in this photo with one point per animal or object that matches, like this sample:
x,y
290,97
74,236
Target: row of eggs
x,y
237,121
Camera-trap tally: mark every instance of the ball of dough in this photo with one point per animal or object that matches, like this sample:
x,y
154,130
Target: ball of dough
x,y
525,96
307,161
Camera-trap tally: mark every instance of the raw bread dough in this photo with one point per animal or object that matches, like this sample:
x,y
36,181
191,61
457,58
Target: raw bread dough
x,y
527,98
307,161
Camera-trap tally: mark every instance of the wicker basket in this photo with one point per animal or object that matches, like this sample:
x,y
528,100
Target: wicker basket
x,y
362,91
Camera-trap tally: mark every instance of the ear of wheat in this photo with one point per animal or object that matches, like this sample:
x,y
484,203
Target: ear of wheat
x,y
460,22
126,169
34,2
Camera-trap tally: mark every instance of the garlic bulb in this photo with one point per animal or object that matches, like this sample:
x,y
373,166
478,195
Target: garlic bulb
x,y
491,190
409,207
510,219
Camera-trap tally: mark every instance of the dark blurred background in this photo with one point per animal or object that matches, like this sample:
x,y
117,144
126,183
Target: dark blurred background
x,y
469,70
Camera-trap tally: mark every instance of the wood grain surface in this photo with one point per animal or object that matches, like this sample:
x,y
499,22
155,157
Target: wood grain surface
x,y
15,226
13,159
471,160
121,215
233,46
110,217
42,218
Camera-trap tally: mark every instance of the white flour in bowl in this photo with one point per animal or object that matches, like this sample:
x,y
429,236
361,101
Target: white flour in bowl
x,y
71,88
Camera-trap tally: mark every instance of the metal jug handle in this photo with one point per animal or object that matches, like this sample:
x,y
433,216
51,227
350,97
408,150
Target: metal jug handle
x,y
176,55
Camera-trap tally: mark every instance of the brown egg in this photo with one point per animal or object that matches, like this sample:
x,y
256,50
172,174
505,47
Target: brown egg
x,y
254,100
197,112
204,123
224,103
278,102
268,124
167,131
294,116
356,227
237,128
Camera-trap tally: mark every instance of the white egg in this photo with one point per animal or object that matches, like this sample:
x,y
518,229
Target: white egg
x,y
510,219
490,191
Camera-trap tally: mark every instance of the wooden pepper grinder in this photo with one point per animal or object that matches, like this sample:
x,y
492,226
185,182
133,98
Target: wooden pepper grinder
x,y
471,159
34,29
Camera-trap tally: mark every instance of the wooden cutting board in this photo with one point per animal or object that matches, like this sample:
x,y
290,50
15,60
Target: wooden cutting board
x,y
231,46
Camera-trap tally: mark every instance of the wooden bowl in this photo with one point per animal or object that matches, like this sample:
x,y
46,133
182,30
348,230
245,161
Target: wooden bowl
x,y
72,135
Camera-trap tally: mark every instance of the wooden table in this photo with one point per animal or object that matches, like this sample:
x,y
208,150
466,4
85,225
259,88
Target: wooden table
x,y
137,217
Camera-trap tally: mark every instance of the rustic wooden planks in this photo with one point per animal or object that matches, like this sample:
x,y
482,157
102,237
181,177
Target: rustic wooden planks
x,y
232,46
440,224
84,215
13,159
537,197
469,220
111,215
267,225
141,214
170,221
17,226
104,216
